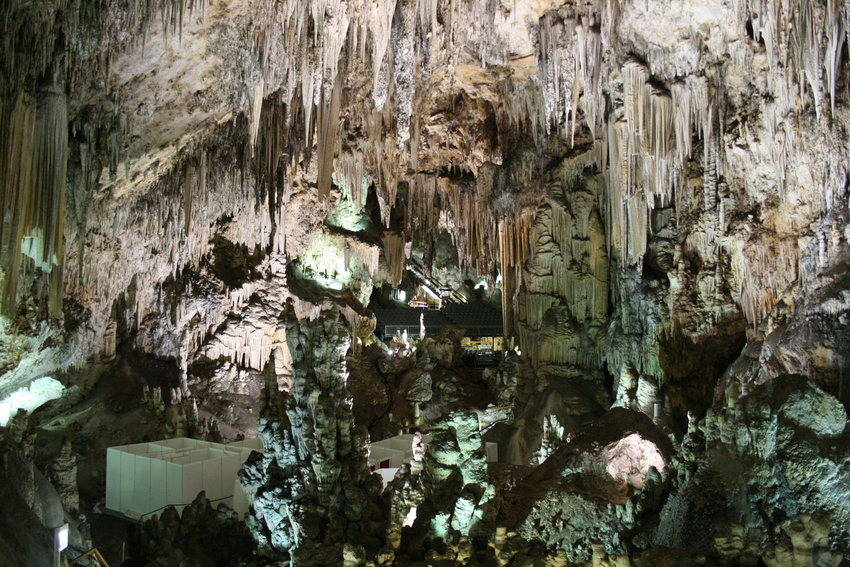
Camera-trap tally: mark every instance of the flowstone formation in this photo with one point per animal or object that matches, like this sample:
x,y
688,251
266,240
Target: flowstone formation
x,y
313,496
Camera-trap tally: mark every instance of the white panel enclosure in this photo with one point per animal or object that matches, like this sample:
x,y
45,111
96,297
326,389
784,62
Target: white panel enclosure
x,y
113,479
387,475
192,481
128,482
175,484
159,484
142,495
240,499
144,478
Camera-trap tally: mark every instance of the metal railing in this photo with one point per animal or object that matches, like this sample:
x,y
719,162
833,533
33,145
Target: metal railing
x,y
412,330
471,330
94,554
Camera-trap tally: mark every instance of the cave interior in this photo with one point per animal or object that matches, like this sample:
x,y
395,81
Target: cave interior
x,y
574,273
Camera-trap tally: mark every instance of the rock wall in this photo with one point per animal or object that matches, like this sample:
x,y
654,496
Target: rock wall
x,y
768,466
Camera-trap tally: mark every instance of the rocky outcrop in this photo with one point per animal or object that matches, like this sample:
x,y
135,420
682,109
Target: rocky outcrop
x,y
32,506
455,477
200,535
407,492
502,380
415,386
443,349
784,467
597,487
313,497
441,502
62,473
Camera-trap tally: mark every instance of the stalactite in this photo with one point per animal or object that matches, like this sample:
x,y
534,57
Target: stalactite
x,y
642,150
718,282
188,193
18,123
806,48
35,154
836,35
396,253
123,238
194,185
524,107
34,34
328,123
709,190
646,159
405,65
514,247
349,175
256,111
763,272
249,345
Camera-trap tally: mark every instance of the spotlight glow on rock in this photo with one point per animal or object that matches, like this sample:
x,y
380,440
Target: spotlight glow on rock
x,y
630,458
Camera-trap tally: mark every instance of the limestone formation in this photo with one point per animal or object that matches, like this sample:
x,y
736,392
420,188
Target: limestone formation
x,y
455,478
199,535
502,380
407,493
783,464
596,487
416,386
443,349
33,504
62,473
311,490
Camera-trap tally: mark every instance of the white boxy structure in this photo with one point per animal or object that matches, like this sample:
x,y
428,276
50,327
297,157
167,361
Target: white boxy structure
x,y
144,478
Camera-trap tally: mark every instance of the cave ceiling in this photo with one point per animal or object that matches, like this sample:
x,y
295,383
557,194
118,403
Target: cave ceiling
x,y
637,179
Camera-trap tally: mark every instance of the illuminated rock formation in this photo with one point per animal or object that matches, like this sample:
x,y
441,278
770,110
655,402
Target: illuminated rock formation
x,y
784,466
312,493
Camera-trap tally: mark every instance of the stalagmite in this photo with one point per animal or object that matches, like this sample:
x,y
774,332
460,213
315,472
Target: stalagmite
x,y
313,441
835,237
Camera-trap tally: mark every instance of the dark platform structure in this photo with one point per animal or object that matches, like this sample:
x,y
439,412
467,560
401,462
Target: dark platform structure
x,y
480,319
